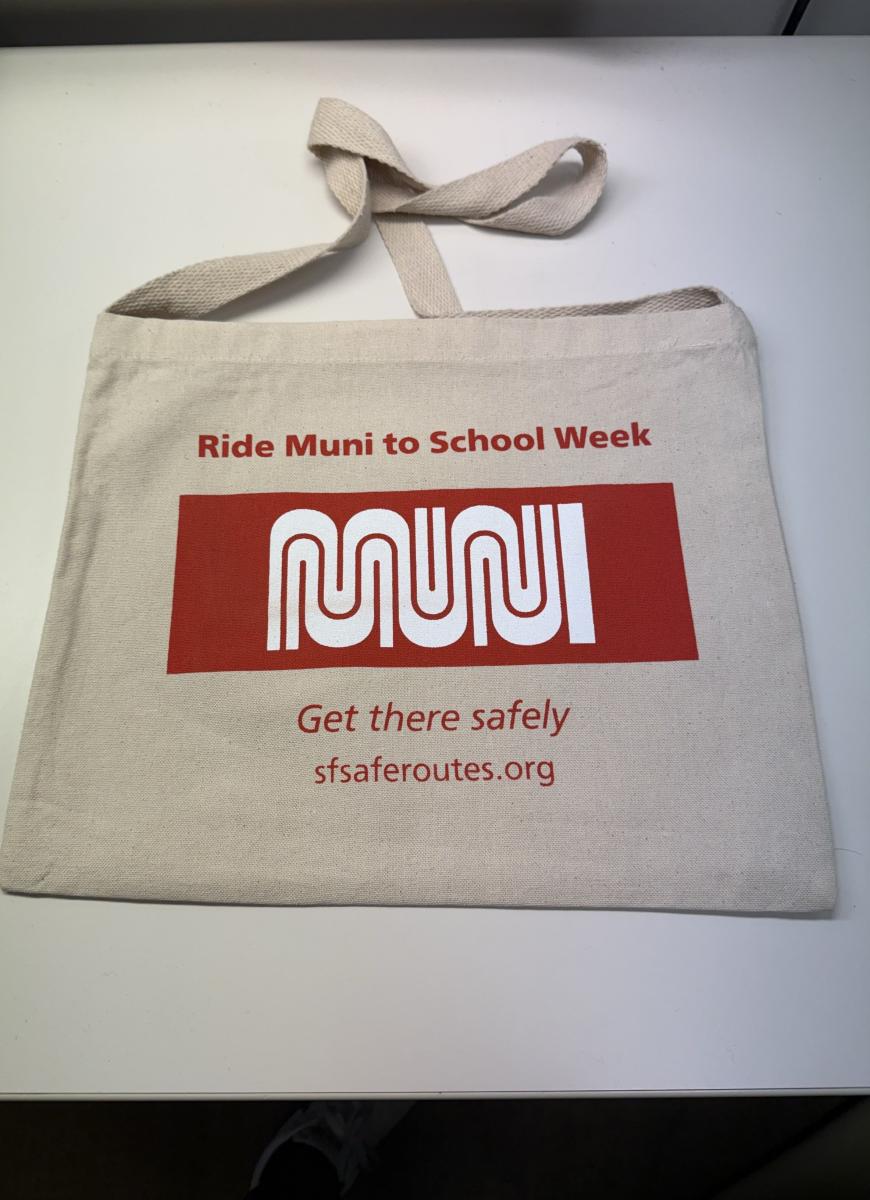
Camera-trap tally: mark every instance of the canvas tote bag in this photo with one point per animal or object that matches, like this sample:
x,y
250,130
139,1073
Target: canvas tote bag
x,y
486,609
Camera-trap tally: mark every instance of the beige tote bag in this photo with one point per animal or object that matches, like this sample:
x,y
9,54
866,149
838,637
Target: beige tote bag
x,y
487,609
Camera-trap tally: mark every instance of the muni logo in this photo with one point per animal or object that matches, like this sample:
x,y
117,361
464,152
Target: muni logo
x,y
448,578
519,580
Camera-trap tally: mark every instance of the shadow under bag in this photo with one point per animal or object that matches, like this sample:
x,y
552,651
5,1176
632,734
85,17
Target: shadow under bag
x,y
490,608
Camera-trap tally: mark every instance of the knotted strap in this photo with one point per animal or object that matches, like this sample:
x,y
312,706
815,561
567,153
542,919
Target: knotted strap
x,y
368,177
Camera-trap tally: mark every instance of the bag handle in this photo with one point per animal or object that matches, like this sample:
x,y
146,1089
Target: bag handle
x,y
368,177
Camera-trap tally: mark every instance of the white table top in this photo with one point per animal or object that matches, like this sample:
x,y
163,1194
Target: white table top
x,y
739,163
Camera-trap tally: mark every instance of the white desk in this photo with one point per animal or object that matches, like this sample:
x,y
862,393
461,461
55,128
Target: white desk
x,y
735,162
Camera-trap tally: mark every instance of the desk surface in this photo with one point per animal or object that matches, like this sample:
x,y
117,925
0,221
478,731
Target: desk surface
x,y
734,162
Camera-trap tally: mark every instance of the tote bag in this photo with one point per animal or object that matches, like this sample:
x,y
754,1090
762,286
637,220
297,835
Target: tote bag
x,y
486,609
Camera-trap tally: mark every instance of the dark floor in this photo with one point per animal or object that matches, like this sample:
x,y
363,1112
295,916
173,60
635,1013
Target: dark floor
x,y
449,1150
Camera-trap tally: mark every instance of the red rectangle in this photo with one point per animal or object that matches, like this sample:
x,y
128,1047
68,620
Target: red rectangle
x,y
469,577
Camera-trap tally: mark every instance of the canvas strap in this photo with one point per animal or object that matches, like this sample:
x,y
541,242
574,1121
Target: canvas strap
x,y
368,177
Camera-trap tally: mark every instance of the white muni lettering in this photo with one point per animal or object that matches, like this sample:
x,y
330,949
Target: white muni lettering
x,y
484,571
